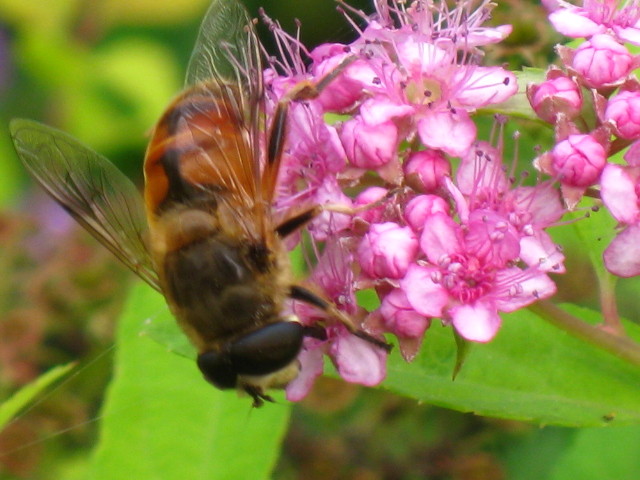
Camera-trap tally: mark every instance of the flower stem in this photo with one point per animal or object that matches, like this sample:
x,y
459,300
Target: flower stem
x,y
622,347
609,304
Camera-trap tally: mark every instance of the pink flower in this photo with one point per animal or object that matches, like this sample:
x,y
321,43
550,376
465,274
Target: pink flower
x,y
419,208
347,89
596,17
623,110
622,256
451,131
387,250
481,175
632,156
578,160
417,60
368,197
531,210
311,362
407,98
491,237
602,62
482,179
557,94
619,190
312,157
620,187
330,223
465,286
400,318
356,360
462,25
369,146
424,170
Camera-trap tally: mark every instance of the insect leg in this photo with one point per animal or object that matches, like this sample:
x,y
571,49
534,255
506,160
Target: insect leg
x,y
296,222
338,208
258,396
305,90
292,224
298,292
308,90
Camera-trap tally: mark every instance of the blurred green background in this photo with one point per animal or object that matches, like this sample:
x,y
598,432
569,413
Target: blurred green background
x,y
104,70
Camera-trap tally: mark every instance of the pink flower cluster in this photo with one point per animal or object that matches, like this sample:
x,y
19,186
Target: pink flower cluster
x,y
377,148
589,133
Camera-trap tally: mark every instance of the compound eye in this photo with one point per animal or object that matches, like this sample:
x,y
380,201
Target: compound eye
x,y
268,349
217,369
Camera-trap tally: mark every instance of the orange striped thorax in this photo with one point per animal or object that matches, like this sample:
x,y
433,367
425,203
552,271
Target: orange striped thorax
x,y
199,143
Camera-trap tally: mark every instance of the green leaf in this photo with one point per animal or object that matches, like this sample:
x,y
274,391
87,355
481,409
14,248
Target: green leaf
x,y
531,371
601,453
146,12
10,173
593,234
162,420
535,455
132,82
463,346
163,329
518,105
28,393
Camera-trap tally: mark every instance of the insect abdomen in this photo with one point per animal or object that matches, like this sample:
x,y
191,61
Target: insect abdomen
x,y
215,291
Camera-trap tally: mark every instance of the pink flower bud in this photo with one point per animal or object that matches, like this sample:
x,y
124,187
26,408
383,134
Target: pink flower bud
x,y
578,160
424,170
347,88
623,110
602,61
400,318
553,96
369,146
387,250
421,207
367,197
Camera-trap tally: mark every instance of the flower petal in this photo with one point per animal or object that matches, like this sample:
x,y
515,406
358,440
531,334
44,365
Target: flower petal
x,y
358,361
619,193
574,22
478,322
622,256
311,366
441,237
451,132
485,85
521,288
426,297
538,250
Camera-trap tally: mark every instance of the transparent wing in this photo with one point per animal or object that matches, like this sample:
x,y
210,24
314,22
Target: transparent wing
x,y
227,50
100,197
227,57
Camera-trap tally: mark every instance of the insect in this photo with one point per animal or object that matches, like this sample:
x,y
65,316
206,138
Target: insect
x,y
205,236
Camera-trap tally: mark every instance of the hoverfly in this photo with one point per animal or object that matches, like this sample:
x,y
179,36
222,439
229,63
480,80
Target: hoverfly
x,y
206,236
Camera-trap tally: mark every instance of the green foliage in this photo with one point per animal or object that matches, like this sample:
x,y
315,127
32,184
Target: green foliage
x,y
556,380
27,394
160,418
531,372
